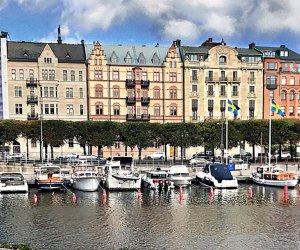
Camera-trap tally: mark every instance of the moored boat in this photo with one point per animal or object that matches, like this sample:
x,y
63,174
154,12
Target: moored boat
x,y
179,175
11,182
49,177
274,176
216,175
85,178
157,179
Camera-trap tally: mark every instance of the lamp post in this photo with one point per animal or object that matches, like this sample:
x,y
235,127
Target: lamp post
x,y
41,119
222,141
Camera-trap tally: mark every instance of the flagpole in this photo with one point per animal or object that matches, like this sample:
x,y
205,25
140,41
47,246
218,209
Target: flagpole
x,y
270,132
226,128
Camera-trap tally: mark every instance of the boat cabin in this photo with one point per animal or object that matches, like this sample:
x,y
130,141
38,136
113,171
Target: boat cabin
x,y
12,178
218,171
275,173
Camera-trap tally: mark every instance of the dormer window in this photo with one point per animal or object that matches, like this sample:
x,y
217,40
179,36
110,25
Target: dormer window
x,y
47,60
68,56
222,60
155,59
128,58
114,58
142,59
193,57
284,53
25,54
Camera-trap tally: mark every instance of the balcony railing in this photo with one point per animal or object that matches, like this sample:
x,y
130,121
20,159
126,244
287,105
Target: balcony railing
x,y
33,116
130,100
32,99
234,93
130,83
223,79
145,100
251,95
251,80
134,117
210,79
223,94
32,82
210,93
271,86
145,117
145,83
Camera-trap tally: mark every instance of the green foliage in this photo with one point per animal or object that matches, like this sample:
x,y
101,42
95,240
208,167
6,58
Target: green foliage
x,y
20,246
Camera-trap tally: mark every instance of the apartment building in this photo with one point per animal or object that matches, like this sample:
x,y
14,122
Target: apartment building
x,y
46,81
215,72
281,80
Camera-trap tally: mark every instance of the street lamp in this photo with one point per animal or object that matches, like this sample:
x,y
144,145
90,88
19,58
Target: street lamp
x,y
41,119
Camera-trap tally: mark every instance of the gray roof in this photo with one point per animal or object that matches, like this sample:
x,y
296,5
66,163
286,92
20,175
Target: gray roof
x,y
248,52
30,51
292,55
121,52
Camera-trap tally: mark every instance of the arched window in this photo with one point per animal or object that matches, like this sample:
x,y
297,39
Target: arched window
x,y
222,60
157,110
292,95
283,95
173,93
113,58
128,58
141,58
98,90
99,108
116,91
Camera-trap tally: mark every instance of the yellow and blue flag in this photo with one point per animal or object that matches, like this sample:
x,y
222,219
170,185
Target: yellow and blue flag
x,y
276,109
232,107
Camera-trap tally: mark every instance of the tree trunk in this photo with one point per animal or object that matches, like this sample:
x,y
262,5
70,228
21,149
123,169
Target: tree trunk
x,y
174,156
253,152
181,153
84,149
52,155
99,151
27,149
166,156
291,151
46,151
126,150
280,148
140,153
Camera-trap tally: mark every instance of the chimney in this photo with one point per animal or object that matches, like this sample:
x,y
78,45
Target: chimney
x,y
251,45
210,40
178,42
59,41
82,42
4,34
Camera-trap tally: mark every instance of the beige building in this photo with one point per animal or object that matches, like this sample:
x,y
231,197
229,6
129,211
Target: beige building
x,y
214,73
46,81
134,83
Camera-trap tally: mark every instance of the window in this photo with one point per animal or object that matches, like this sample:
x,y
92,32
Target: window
x,y
194,75
116,92
130,93
210,75
98,91
252,89
173,93
129,75
45,74
115,75
51,91
210,89
56,107
156,110
80,76
173,110
283,95
70,110
130,110
33,144
222,60
18,91
156,76
99,109
46,93
210,104
252,76
194,88
117,145
222,90
283,80
69,92
292,95
81,93
114,58
73,75
292,80
193,57
223,76
271,66
298,110
173,77
155,59
271,80
65,75
13,74
291,110
31,73
19,109
144,76
52,109
51,74
299,95
47,60
71,143
81,109
283,109
272,94
116,109
156,93
284,53
252,104
141,58
98,74
128,58
235,91
46,109
234,76
21,74
194,104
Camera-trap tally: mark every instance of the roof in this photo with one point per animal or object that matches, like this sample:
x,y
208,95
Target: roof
x,y
121,51
248,52
292,55
30,51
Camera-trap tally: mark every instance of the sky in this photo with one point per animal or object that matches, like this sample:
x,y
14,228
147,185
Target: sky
x,y
148,22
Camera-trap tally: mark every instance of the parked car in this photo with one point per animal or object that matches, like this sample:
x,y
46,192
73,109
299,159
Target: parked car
x,y
226,154
14,157
284,155
156,156
245,157
198,162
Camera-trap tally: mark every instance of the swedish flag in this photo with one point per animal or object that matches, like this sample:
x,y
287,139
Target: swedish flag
x,y
275,108
232,107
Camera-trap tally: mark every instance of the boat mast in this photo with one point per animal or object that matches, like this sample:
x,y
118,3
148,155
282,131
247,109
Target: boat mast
x,y
226,123
270,132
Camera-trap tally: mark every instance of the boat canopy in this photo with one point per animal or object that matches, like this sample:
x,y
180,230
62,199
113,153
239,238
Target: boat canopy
x,y
220,172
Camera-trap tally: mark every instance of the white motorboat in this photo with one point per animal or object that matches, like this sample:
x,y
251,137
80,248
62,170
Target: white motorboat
x,y
13,183
49,177
157,179
274,176
179,175
120,174
216,175
85,178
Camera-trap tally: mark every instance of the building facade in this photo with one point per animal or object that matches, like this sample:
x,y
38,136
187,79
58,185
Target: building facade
x,y
213,73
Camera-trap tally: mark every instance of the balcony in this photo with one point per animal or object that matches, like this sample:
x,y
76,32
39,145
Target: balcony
x,y
32,82
210,93
223,94
271,86
210,79
194,95
223,79
145,100
251,95
135,118
32,116
251,80
130,100
32,99
235,79
130,83
194,79
145,83
234,93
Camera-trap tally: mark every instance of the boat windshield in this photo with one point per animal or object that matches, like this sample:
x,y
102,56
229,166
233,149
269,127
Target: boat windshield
x,y
181,175
11,176
158,176
50,170
220,172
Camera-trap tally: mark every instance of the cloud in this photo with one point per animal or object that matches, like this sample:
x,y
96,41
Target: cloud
x,y
3,4
182,29
37,5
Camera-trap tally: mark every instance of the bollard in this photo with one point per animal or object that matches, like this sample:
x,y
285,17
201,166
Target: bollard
x,y
74,197
139,196
104,196
35,199
286,167
180,193
211,191
250,193
285,193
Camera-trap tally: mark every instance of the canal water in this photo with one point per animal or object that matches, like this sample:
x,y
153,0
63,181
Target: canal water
x,y
158,221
